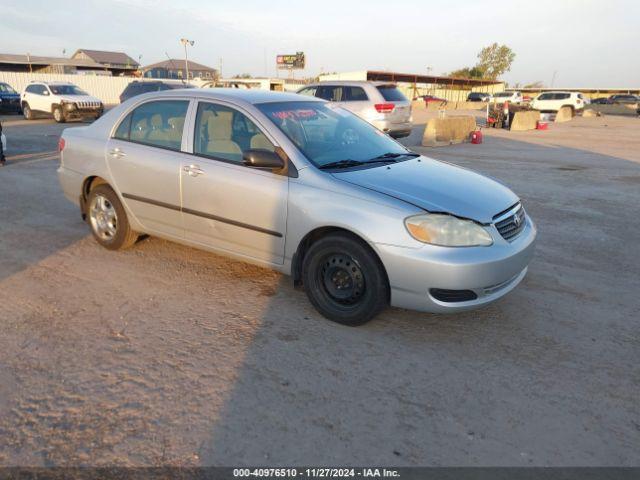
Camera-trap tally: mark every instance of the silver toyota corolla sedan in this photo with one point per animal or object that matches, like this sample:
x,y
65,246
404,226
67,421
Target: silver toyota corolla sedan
x,y
304,187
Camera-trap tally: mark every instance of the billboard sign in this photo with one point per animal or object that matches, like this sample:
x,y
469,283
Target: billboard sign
x,y
290,62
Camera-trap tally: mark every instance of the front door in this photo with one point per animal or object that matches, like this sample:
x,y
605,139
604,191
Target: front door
x,y
145,159
226,205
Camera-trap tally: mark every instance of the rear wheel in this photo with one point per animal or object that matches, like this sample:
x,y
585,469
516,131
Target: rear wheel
x,y
108,219
344,279
26,111
58,115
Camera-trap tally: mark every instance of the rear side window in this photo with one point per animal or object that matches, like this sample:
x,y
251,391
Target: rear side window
x,y
562,96
159,124
354,94
331,93
391,94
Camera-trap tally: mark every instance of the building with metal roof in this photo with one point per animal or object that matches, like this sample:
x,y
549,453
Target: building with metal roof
x,y
36,64
118,63
175,68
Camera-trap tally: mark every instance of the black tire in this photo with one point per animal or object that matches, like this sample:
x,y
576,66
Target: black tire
x,y
344,279
26,111
122,236
58,115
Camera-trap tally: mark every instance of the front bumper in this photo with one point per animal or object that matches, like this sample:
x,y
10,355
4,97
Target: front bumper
x,y
490,272
83,113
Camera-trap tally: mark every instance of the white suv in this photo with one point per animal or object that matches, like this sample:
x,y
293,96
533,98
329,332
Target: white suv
x,y
379,103
64,101
553,101
511,97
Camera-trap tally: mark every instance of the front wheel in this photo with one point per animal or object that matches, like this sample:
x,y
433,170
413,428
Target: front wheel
x,y
26,112
108,219
345,280
58,115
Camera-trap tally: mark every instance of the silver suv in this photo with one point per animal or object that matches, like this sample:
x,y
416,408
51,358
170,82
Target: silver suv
x,y
379,103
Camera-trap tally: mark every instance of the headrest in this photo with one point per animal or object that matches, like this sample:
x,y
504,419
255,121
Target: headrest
x,y
156,121
176,123
219,126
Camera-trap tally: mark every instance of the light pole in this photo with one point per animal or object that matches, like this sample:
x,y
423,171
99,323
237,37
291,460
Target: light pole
x,y
186,42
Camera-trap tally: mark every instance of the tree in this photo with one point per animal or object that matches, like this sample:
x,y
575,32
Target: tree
x,y
495,60
473,72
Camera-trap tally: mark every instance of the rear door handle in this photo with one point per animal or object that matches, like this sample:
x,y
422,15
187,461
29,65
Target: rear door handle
x,y
117,153
193,170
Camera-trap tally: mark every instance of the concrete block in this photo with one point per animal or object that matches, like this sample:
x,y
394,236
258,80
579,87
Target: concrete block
x,y
565,114
524,120
448,130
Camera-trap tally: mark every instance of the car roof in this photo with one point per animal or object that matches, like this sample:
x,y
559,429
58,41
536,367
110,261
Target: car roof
x,y
349,83
250,96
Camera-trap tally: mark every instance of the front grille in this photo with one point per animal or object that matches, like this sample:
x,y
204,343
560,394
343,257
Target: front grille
x,y
512,226
453,296
88,105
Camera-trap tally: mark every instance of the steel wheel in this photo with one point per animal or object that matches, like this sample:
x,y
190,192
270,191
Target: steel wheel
x,y
341,278
103,217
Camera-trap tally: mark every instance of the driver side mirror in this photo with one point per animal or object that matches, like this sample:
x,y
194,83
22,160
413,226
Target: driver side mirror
x,y
259,158
45,92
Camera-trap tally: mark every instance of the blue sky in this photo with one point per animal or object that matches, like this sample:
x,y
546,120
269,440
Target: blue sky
x,y
586,42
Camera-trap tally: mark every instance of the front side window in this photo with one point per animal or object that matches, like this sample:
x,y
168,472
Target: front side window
x,y
309,91
326,133
545,96
224,133
159,124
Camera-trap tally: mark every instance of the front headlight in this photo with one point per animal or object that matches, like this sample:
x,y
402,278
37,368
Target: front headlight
x,y
70,106
447,231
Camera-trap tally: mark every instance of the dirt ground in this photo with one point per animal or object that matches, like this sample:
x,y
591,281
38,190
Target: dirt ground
x,y
166,355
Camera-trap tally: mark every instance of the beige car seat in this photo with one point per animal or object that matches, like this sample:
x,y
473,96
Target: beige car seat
x,y
260,141
139,130
176,125
219,129
157,133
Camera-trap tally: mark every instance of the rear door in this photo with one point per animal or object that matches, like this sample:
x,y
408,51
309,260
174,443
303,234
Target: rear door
x,y
402,111
228,206
144,157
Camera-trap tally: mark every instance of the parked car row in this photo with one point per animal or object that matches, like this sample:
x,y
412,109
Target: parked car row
x,y
617,99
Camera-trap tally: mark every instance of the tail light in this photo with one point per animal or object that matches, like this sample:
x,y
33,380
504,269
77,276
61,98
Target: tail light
x,y
385,107
61,144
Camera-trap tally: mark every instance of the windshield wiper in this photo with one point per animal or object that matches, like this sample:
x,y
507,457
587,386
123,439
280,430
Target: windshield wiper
x,y
385,157
341,164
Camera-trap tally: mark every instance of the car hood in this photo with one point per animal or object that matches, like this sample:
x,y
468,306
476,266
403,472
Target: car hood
x,y
436,187
9,95
78,98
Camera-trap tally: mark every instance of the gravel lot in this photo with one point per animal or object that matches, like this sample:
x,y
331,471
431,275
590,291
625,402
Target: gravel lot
x,y
166,355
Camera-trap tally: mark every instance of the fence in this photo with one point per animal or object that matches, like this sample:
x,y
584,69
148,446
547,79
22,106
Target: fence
x,y
107,89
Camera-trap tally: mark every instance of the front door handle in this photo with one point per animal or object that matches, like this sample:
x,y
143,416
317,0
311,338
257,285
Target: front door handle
x,y
193,170
117,153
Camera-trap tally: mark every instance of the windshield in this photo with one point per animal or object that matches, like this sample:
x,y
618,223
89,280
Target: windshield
x,y
66,90
326,133
503,94
4,88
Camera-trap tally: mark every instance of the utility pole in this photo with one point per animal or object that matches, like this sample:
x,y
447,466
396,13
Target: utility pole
x,y
186,42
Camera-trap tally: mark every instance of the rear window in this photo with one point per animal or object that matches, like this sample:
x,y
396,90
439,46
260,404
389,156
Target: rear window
x,y
391,93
